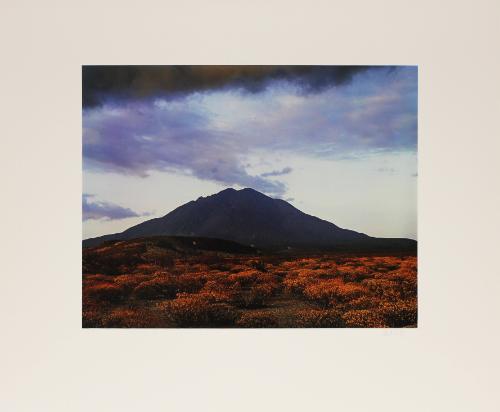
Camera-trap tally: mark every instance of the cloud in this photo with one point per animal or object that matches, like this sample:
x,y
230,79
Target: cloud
x,y
378,112
211,135
103,83
281,172
139,138
96,210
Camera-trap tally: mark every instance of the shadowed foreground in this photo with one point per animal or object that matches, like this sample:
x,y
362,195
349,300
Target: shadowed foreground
x,y
196,282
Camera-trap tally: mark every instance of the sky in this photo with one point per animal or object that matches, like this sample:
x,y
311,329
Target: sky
x,y
337,142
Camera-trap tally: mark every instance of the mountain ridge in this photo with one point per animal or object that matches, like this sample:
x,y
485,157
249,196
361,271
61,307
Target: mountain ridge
x,y
251,218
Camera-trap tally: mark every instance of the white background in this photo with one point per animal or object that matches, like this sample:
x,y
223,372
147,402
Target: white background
x,y
450,363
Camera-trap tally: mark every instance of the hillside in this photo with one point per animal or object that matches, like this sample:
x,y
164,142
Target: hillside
x,y
251,218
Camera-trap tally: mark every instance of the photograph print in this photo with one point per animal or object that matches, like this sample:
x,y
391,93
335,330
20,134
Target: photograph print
x,y
249,196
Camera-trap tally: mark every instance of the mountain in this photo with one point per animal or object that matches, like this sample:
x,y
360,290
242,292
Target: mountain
x,y
251,218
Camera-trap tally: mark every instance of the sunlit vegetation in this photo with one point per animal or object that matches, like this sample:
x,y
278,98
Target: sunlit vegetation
x,y
135,285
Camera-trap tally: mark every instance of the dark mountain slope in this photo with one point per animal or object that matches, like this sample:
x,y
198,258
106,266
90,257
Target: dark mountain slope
x,y
251,218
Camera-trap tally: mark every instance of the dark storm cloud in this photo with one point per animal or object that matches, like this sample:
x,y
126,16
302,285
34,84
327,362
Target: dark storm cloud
x,y
104,83
96,210
281,172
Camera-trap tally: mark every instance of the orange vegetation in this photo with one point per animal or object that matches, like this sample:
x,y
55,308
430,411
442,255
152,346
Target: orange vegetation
x,y
137,287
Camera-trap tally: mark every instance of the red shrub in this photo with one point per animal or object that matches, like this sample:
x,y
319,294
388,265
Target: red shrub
x,y
354,273
245,278
362,302
197,311
156,288
104,292
400,314
363,319
97,278
91,318
313,318
189,283
256,297
297,285
218,296
333,291
147,268
129,282
167,286
151,317
257,320
383,288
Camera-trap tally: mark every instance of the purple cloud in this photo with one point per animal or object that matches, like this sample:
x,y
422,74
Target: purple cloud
x,y
96,210
377,112
139,138
281,172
